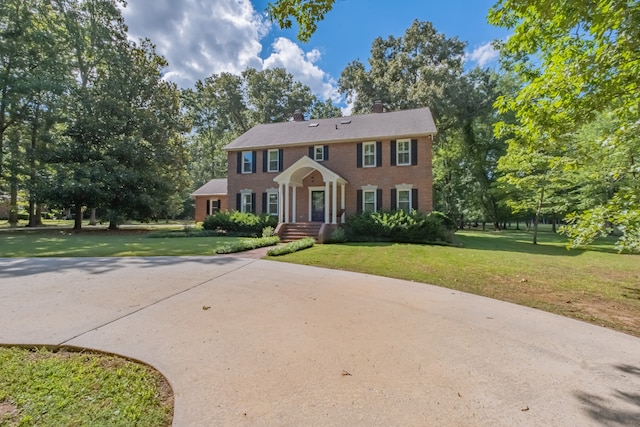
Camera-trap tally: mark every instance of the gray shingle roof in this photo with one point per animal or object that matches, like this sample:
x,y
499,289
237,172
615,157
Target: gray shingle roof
x,y
366,127
215,187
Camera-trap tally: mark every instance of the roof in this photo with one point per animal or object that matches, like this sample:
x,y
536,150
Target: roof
x,y
376,126
215,187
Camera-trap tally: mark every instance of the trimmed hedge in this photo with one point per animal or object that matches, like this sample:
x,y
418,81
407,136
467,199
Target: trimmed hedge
x,y
239,223
248,244
292,247
399,226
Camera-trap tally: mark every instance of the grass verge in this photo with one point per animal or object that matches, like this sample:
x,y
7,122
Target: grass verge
x,y
598,286
45,388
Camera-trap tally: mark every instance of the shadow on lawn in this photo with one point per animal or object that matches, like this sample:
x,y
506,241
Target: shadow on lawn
x,y
608,410
13,267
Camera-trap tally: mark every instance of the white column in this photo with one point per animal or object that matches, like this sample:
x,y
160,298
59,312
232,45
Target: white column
x,y
343,197
281,203
295,205
286,203
326,202
334,203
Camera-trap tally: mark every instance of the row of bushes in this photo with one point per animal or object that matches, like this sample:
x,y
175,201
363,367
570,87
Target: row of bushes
x,y
292,247
239,223
400,226
248,244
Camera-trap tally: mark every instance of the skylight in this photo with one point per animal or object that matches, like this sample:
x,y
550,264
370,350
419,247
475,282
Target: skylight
x,y
345,122
313,125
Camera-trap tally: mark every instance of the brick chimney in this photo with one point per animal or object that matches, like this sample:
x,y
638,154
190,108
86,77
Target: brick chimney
x,y
298,116
378,106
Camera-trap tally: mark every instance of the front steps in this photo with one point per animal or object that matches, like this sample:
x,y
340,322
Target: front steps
x,y
291,232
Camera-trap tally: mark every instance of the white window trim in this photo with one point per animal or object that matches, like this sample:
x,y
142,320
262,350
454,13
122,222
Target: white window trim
x,y
404,187
250,163
315,153
270,192
408,162
277,168
364,156
368,189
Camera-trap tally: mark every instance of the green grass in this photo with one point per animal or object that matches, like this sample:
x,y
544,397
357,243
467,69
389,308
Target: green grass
x,y
44,388
597,285
102,243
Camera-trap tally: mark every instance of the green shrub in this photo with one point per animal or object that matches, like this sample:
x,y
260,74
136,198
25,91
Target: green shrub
x,y
338,236
292,247
248,244
399,226
240,223
268,231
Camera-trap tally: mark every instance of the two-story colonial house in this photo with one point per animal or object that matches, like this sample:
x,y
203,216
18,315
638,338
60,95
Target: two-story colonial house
x,y
321,171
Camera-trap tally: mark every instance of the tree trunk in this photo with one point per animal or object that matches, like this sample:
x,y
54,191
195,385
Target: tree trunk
x,y
518,224
92,218
553,222
38,214
77,224
113,225
13,202
537,217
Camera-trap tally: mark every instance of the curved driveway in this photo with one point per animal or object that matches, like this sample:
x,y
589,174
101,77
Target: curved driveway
x,y
255,342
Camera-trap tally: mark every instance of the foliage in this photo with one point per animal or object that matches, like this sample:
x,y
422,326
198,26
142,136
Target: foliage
x,y
307,14
578,61
338,236
239,222
291,247
268,231
54,389
399,226
248,244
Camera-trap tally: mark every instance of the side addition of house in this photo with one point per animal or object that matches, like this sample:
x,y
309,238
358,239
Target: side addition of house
x,y
322,171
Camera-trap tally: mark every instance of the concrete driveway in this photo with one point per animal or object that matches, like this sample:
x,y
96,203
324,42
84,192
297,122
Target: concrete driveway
x,y
282,344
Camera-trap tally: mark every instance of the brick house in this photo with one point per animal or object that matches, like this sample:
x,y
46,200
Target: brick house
x,y
210,198
320,171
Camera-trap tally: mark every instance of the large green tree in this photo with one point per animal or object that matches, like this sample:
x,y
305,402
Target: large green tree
x,y
579,59
306,13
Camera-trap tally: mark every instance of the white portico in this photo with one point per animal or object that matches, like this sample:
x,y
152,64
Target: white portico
x,y
291,180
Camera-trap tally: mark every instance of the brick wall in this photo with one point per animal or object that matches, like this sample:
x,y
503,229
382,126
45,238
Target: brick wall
x,y
343,161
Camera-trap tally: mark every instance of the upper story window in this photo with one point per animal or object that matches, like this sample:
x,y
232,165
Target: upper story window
x,y
369,154
403,151
247,162
318,153
274,161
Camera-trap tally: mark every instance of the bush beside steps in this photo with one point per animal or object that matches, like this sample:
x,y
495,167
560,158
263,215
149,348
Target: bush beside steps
x,y
292,247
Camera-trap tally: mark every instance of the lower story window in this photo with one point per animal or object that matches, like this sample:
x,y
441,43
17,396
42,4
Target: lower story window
x,y
369,201
246,202
272,203
404,200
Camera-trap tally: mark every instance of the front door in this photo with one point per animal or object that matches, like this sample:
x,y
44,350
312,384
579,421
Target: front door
x,y
317,206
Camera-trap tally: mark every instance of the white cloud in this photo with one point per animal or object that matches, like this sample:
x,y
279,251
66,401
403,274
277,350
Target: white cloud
x,y
483,55
286,54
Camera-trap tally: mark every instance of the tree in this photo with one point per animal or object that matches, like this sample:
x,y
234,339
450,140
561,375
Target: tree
x,y
324,110
307,14
578,59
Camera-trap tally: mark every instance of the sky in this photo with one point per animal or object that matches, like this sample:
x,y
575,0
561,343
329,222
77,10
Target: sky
x,y
203,37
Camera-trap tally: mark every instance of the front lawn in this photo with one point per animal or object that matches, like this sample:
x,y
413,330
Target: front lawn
x,y
598,285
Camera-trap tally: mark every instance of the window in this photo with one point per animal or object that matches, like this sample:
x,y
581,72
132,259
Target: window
x,y
404,200
369,154
246,202
247,162
369,200
274,161
271,202
318,153
403,152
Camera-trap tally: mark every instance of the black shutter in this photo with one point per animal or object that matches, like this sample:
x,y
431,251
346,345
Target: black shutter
x,y
326,152
379,199
311,153
359,154
280,159
393,153
238,202
414,152
253,161
414,199
239,162
253,202
394,203
379,153
359,201
264,203
208,207
265,160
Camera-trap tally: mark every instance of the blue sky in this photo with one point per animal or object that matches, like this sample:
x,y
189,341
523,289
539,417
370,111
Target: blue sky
x,y
200,38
